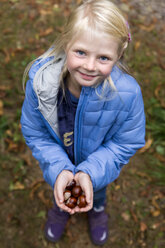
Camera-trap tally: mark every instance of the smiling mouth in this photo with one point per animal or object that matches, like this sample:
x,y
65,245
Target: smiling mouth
x,y
87,75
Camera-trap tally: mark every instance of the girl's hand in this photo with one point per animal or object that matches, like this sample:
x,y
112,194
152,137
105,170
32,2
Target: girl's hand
x,y
63,179
84,181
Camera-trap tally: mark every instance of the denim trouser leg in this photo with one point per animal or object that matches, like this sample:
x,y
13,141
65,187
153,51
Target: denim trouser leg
x,y
99,198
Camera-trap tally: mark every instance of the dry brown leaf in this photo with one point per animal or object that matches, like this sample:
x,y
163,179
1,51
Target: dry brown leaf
x,y
134,215
147,28
18,186
34,189
117,187
36,182
12,147
161,62
160,157
44,200
7,54
68,1
147,146
66,11
155,213
1,108
78,1
157,90
144,175
27,157
44,12
155,226
137,45
143,227
4,87
46,32
9,133
125,216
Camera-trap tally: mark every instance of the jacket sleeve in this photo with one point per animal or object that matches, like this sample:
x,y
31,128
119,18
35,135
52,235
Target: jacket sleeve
x,y
51,156
104,165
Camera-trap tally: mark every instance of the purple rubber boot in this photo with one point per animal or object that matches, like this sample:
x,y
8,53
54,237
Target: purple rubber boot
x,y
98,225
56,223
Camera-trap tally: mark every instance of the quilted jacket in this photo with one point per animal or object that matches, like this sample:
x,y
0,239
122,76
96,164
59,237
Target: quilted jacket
x,y
108,130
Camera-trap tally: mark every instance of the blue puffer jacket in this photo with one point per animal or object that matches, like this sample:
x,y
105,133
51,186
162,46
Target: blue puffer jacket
x,y
108,131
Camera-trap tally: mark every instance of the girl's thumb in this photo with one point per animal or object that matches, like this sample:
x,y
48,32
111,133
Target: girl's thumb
x,y
60,197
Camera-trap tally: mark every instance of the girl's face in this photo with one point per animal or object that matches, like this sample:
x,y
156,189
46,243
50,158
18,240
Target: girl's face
x,y
90,59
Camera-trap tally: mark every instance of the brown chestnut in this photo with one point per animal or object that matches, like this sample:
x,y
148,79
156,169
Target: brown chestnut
x,y
67,194
71,202
76,191
71,185
81,202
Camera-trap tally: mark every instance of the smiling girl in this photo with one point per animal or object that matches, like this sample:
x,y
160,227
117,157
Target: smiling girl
x,y
83,116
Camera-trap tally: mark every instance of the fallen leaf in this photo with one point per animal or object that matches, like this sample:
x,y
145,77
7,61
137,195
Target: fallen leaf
x,y
27,157
41,214
17,186
137,45
46,32
161,63
68,1
4,87
1,108
134,215
66,11
125,216
9,133
117,187
159,93
12,147
143,227
34,189
144,175
147,146
160,157
154,203
155,213
44,12
7,54
147,28
36,182
157,90
79,1
155,226
44,200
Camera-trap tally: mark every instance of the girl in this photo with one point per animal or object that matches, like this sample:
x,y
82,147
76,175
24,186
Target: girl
x,y
83,115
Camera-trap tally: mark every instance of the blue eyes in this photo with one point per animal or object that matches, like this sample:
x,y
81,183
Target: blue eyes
x,y
101,58
80,53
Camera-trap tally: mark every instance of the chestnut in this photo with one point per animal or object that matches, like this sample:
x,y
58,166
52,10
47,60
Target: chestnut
x,y
76,191
67,194
71,202
81,202
71,185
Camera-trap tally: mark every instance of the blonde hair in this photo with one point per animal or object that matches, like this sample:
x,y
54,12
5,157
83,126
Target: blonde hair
x,y
92,16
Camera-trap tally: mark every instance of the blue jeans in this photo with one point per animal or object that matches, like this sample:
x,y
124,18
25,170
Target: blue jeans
x,y
99,198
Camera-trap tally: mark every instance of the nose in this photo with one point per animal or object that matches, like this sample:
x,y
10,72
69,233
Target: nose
x,y
90,64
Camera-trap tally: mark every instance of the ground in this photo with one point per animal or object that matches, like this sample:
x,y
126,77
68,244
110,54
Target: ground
x,y
136,201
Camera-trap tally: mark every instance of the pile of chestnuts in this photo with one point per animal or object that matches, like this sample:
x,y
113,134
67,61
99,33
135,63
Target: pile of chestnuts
x,y
74,196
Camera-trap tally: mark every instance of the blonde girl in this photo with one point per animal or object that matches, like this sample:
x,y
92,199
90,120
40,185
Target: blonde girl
x,y
83,114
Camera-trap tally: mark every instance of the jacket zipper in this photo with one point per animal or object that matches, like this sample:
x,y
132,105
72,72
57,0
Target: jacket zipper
x,y
77,131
